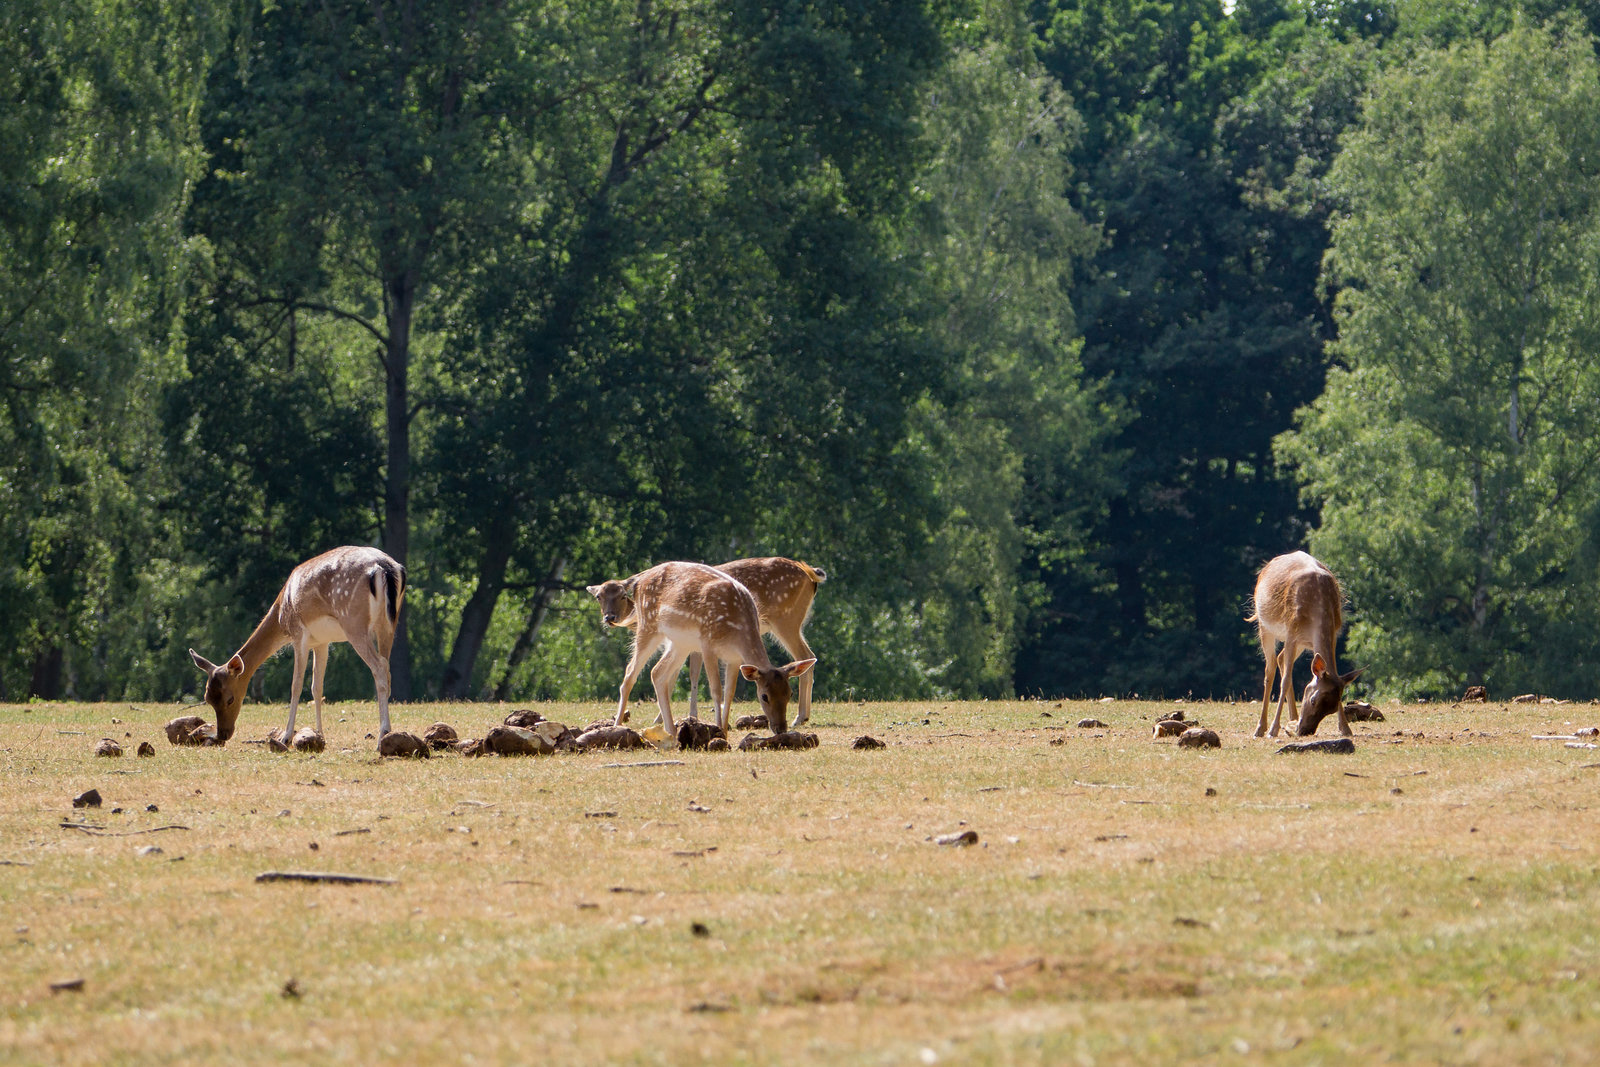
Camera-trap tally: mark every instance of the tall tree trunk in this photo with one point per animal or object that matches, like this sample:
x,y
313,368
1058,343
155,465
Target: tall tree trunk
x,y
1125,569
530,630
400,296
46,680
478,613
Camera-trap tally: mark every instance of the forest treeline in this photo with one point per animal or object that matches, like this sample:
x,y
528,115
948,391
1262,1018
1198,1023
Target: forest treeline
x,y
1040,326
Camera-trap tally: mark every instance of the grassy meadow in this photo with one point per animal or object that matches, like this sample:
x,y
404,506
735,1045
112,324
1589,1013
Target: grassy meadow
x,y
1430,899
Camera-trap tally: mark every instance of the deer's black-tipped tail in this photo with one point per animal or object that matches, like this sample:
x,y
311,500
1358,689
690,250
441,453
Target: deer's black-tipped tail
x,y
394,585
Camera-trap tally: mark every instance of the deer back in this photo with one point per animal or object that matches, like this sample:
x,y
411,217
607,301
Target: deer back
x,y
701,605
783,588
1297,594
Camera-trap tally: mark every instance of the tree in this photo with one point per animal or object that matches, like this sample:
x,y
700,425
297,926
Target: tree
x,y
696,345
1453,452
366,155
1201,314
98,153
1016,440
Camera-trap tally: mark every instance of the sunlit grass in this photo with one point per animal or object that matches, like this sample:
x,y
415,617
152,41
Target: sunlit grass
x,y
1429,899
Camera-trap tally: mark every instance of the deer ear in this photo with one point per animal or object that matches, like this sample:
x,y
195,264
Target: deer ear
x,y
594,591
749,670
236,665
200,661
1318,664
799,667
1353,675
629,586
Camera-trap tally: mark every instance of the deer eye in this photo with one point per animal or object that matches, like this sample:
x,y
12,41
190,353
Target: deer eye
x,y
764,698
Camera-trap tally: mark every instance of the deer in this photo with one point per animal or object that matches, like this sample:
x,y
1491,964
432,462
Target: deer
x,y
348,594
1298,602
690,607
784,590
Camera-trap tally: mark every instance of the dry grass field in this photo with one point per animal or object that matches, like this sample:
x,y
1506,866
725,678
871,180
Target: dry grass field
x,y
1430,899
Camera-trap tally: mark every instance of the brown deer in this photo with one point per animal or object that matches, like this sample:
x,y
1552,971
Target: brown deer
x,y
685,607
347,594
784,590
1299,602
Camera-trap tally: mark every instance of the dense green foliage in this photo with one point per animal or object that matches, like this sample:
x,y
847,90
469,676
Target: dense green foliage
x,y
1001,312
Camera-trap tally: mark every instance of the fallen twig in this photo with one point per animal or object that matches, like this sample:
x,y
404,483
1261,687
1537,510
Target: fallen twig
x,y
648,763
319,876
101,831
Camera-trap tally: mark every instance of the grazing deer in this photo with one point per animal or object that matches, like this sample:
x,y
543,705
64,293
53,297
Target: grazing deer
x,y
347,594
689,607
784,590
1299,602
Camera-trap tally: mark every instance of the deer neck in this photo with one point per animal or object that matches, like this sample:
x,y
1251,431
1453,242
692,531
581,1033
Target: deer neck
x,y
269,636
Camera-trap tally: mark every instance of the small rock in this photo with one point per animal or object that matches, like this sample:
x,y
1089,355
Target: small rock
x,y
1091,724
152,807
1587,731
526,719
751,722
89,798
146,748
1169,728
151,850
400,743
694,734
306,739
190,730
1199,737
440,735
1211,791
609,736
556,733
107,747
867,741
960,840
1526,698
718,744
1361,711
1341,745
472,746
794,739
1475,693
516,741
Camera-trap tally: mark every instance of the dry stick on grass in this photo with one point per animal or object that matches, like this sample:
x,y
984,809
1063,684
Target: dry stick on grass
x,y
101,831
319,876
649,763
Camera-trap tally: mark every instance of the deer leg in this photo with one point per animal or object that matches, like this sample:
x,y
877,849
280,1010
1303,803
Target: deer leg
x,y
1285,683
319,668
795,644
730,689
297,681
662,675
694,684
1270,651
718,684
643,648
378,664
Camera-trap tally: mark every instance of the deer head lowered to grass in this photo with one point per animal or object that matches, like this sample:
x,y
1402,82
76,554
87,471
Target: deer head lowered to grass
x,y
1298,602
347,594
690,607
